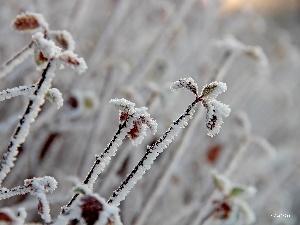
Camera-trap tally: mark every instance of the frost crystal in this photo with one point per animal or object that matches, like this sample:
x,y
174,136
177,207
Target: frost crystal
x,y
48,47
187,83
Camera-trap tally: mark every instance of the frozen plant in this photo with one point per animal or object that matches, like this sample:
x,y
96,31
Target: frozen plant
x,y
90,209
52,55
215,112
36,187
133,124
54,49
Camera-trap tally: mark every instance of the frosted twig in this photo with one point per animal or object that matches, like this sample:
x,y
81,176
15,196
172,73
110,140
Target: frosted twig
x,y
28,117
133,122
36,187
53,95
235,46
25,22
163,142
152,152
51,51
17,59
13,92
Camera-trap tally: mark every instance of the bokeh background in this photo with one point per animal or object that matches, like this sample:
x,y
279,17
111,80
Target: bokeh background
x,y
136,49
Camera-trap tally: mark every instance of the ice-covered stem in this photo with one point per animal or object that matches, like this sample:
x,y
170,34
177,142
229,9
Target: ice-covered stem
x,y
207,95
36,187
53,55
16,60
53,95
28,117
133,124
103,160
151,154
16,91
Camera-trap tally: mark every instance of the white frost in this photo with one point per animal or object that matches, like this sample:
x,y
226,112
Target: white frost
x,y
187,83
48,47
215,111
16,91
213,89
123,105
69,58
63,38
55,96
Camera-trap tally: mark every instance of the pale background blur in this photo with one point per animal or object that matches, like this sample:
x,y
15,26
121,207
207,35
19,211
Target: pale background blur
x,y
136,49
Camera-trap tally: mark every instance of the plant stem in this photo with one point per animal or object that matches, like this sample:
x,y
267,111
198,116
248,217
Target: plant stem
x,y
104,159
28,117
151,154
18,58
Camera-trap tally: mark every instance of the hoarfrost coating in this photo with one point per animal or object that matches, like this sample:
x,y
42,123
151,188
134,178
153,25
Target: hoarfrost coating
x,y
48,47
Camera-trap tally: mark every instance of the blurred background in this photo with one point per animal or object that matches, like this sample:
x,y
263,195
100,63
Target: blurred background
x,y
135,50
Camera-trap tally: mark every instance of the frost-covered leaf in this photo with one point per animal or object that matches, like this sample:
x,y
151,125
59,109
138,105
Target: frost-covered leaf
x,y
213,89
55,96
63,38
69,58
123,105
29,21
187,83
215,111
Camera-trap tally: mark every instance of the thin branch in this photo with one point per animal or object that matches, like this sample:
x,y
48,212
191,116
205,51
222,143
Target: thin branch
x,y
105,157
18,58
152,152
28,117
